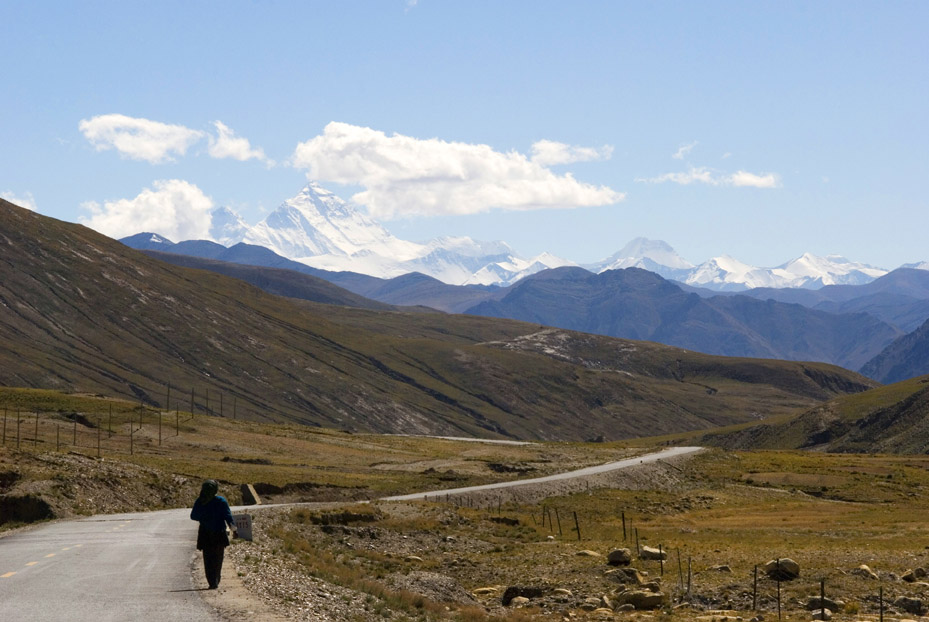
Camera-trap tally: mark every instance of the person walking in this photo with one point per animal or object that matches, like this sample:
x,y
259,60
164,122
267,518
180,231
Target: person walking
x,y
213,513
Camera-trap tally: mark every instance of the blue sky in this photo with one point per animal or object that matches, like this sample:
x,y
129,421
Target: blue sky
x,y
761,130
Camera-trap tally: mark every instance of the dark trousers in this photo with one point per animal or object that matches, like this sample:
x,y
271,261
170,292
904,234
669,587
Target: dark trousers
x,y
213,564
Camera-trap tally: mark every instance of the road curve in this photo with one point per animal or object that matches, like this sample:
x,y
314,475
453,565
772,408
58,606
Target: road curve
x,y
594,470
124,567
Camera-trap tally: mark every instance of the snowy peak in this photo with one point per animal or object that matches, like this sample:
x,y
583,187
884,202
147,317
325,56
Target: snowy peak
x,y
725,273
812,271
227,227
321,230
641,249
317,222
148,241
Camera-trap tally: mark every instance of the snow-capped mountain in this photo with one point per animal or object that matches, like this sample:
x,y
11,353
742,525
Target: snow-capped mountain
x,y
227,227
652,255
725,273
321,230
921,265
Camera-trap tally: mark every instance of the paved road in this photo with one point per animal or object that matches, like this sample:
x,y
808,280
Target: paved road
x,y
594,470
117,568
127,567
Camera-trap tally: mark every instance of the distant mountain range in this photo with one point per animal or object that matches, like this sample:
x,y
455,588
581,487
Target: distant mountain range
x,y
846,325
84,313
320,230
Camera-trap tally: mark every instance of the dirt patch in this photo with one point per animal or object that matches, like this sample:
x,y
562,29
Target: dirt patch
x,y
24,509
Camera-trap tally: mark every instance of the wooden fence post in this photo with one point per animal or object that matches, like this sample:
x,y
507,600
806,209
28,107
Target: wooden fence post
x,y
577,526
822,599
777,567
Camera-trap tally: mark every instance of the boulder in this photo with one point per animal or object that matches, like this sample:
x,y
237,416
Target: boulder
x,y
911,576
817,603
911,605
590,604
648,552
865,572
619,557
626,576
784,569
641,599
520,591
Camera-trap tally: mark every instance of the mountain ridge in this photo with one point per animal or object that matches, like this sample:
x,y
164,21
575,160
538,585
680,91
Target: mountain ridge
x,y
88,314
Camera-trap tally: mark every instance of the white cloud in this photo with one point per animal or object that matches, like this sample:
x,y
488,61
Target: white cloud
x,y
227,145
683,150
549,152
704,175
405,176
741,179
139,139
26,200
175,209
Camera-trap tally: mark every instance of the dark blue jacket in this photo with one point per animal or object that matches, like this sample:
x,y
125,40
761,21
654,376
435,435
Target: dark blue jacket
x,y
214,514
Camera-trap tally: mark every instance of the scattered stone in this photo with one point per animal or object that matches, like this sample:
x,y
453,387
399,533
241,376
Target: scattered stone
x,y
641,599
483,591
625,607
588,554
822,614
721,568
865,572
606,602
412,558
650,553
911,576
784,569
619,557
515,591
519,601
602,611
434,586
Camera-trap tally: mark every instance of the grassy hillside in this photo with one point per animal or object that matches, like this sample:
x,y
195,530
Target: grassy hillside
x,y
83,313
890,419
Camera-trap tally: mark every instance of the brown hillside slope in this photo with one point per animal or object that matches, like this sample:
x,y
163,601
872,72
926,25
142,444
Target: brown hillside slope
x,y
893,419
82,312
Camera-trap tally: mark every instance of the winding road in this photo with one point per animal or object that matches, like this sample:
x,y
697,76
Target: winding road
x,y
126,567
